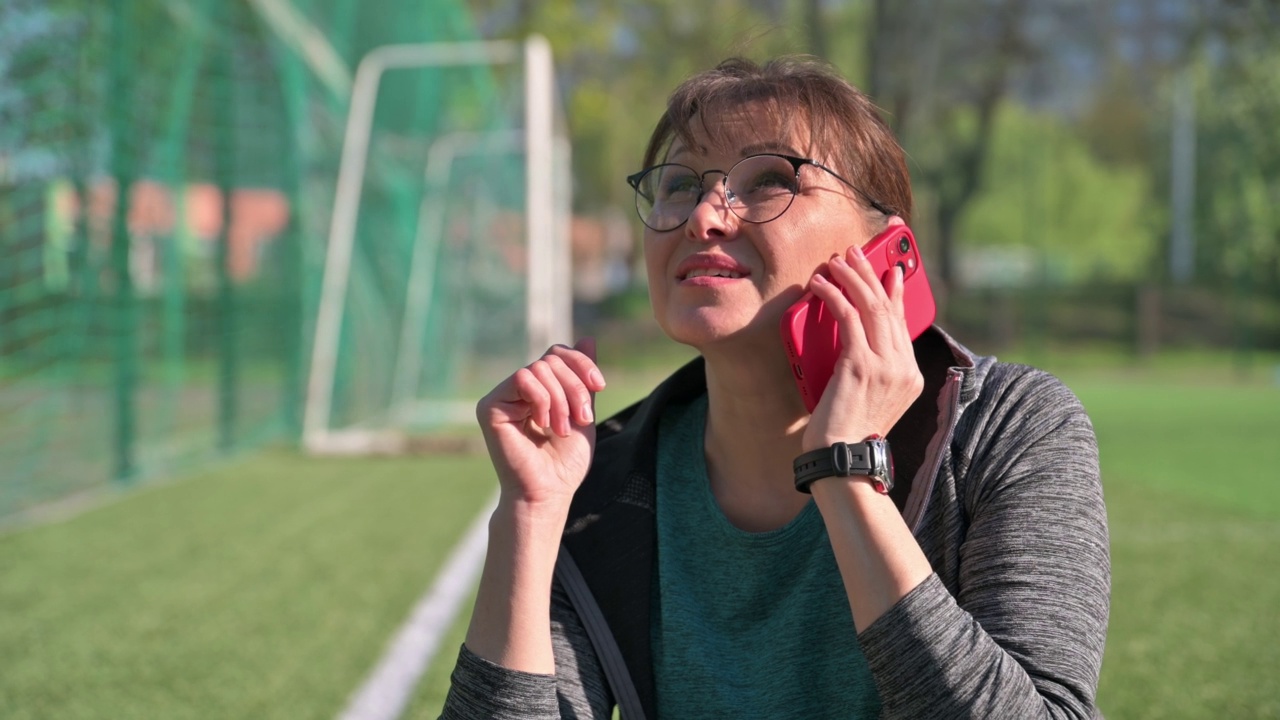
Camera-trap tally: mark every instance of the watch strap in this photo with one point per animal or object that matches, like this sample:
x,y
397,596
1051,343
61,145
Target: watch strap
x,y
845,460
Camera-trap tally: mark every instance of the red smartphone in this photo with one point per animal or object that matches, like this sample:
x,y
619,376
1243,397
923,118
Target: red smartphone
x,y
810,334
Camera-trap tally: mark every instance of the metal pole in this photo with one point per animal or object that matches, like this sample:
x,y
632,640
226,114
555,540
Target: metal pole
x,y
563,251
224,170
540,200
122,167
1182,250
294,87
172,164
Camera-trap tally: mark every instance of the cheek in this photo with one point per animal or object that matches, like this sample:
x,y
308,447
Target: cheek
x,y
656,255
810,249
655,260
652,262
657,292
826,239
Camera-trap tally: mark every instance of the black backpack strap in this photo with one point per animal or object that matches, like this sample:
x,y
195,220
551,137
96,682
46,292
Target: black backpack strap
x,y
615,667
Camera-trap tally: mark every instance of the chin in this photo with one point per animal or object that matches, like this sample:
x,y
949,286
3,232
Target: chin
x,y
702,328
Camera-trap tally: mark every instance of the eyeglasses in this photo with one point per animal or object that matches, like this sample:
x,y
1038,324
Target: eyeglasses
x,y
758,188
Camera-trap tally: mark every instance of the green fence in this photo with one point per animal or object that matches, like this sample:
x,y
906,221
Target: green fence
x,y
167,171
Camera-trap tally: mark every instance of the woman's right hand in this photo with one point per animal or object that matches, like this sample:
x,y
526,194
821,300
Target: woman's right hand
x,y
541,433
539,426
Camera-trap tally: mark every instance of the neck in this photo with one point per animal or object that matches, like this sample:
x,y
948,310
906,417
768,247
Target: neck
x,y
755,420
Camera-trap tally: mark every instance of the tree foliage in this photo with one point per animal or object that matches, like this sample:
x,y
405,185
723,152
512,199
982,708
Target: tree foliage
x,y
1238,169
619,60
986,96
1044,190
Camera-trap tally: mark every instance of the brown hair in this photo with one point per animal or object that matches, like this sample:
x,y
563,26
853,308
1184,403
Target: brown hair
x,y
794,88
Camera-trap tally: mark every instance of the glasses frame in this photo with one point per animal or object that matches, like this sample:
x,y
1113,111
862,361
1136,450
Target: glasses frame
x,y
796,163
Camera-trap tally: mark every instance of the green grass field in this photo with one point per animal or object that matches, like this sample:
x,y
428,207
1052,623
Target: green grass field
x,y
268,587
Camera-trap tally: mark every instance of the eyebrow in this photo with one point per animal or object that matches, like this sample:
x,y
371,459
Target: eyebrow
x,y
768,147
754,149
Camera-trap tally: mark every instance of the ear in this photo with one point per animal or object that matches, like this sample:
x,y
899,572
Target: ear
x,y
894,220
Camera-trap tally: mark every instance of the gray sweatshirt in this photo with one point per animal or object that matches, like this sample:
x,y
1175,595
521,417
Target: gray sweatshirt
x,y
1004,497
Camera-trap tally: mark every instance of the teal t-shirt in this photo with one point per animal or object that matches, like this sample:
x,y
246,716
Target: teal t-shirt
x,y
745,624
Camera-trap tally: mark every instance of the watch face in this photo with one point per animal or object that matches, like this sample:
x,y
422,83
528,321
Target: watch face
x,y
883,472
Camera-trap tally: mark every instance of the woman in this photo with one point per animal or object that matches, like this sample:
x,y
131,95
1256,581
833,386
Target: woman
x,y
683,574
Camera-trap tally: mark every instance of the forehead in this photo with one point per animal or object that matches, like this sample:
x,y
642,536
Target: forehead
x,y
739,130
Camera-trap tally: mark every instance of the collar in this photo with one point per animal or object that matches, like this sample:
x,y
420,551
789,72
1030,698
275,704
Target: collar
x,y
625,460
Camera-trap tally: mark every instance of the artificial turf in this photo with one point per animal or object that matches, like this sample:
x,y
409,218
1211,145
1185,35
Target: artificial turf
x,y
268,588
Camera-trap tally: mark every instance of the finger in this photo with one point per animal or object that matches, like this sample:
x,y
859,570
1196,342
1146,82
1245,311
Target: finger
x,y
581,362
536,398
895,286
868,295
576,393
579,375
862,265
587,346
558,417
852,335
871,309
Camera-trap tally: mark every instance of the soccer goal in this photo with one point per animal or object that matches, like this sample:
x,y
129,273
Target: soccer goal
x,y
424,305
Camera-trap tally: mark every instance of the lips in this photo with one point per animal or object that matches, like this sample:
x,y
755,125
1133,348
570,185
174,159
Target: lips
x,y
711,266
712,272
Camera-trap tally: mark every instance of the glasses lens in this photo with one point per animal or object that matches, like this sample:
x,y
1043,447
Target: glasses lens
x,y
666,195
762,187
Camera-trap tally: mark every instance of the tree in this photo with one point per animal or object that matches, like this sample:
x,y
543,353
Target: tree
x,y
941,71
1046,197
1238,158
616,65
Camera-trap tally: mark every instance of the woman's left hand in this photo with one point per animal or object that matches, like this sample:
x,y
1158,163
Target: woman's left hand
x,y
876,377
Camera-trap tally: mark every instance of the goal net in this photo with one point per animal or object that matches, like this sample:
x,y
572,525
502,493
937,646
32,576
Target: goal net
x,y
446,265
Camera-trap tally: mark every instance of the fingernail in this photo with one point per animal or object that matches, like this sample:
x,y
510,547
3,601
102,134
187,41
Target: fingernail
x,y
898,269
596,378
839,260
856,252
820,280
587,416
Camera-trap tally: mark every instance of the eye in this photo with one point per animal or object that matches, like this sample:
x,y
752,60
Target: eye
x,y
679,185
772,180
767,184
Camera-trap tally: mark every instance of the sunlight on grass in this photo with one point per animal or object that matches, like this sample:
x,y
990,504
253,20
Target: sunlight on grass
x,y
268,588
1194,631
1194,509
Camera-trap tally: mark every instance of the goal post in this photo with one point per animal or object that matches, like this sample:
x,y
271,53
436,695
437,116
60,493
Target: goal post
x,y
546,262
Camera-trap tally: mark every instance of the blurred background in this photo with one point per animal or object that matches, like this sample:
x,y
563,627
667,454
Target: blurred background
x,y
1097,188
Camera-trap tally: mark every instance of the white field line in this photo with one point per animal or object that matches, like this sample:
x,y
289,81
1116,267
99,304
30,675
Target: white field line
x,y
386,692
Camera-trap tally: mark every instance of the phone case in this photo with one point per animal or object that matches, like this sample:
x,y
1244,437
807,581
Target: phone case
x,y
810,334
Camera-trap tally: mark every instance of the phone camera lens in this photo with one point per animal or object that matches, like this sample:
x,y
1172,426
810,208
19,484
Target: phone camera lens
x,y
904,245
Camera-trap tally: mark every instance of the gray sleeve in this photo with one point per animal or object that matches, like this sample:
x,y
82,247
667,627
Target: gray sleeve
x,y
578,691
1023,634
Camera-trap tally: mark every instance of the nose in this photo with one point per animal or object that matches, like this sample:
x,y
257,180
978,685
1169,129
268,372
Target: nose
x,y
711,218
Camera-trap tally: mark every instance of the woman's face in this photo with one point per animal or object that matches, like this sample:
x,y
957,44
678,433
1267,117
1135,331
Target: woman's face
x,y
759,269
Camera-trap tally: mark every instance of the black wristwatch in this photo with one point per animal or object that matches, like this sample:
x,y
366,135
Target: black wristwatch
x,y
871,457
